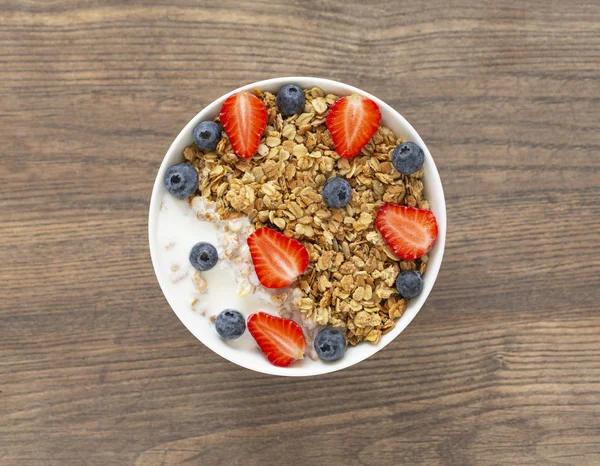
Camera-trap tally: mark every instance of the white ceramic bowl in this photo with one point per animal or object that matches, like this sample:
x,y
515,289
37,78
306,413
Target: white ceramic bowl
x,y
204,332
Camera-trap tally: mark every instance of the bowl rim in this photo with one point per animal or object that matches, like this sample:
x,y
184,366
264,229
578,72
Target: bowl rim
x,y
434,184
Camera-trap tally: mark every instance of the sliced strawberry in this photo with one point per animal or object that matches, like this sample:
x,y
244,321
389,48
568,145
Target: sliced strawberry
x,y
409,231
244,117
277,259
352,121
280,339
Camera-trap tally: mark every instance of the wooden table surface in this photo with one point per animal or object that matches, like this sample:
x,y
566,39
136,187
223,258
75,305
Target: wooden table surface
x,y
501,366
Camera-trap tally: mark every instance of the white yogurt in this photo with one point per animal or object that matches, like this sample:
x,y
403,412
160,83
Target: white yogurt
x,y
232,283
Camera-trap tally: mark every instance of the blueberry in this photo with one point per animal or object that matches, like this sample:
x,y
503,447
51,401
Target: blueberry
x,y
336,192
408,158
204,256
207,135
230,324
290,100
409,284
330,344
181,180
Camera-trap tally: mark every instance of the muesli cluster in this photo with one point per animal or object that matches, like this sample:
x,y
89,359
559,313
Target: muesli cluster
x,y
336,203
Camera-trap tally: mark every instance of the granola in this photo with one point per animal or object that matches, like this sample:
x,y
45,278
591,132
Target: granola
x,y
349,282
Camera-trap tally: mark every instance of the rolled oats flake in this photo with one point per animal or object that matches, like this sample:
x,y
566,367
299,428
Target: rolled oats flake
x,y
273,141
199,282
320,105
263,149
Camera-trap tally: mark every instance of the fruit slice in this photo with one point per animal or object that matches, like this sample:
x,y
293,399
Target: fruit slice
x,y
280,339
409,231
277,259
352,121
244,117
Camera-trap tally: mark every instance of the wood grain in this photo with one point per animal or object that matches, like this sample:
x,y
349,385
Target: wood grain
x,y
502,365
